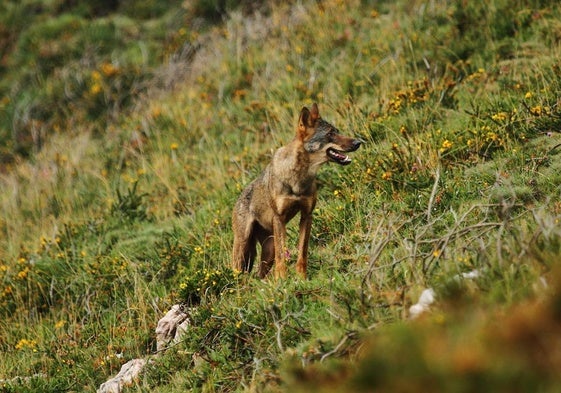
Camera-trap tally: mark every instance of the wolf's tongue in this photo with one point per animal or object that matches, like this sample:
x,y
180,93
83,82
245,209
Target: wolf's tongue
x,y
339,157
342,157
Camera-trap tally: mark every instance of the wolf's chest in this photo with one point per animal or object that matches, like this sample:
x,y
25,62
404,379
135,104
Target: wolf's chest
x,y
290,205
298,189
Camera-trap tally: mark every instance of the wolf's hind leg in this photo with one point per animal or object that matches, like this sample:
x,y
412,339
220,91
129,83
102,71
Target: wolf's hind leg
x,y
267,256
244,250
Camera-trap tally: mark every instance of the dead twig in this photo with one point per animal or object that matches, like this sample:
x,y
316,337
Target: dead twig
x,y
433,192
338,346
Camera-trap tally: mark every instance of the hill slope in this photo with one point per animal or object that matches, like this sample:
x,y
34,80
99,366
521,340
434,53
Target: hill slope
x,y
122,206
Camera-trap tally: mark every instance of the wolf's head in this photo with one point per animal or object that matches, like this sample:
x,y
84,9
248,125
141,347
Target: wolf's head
x,y
322,140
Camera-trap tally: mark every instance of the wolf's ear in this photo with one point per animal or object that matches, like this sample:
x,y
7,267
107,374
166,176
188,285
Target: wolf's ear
x,y
314,113
304,120
308,118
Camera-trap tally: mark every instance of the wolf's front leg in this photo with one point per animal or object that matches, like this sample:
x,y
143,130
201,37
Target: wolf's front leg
x,y
279,233
303,242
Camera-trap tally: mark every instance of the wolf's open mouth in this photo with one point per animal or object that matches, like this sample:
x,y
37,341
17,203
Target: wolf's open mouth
x,y
338,157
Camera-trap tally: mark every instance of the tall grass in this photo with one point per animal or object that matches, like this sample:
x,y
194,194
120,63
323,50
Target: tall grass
x,y
125,208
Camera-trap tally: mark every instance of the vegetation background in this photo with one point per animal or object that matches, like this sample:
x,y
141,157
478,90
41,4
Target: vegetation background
x,y
128,128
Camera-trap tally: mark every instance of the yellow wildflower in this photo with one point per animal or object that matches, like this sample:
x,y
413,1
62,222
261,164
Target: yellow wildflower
x,y
22,275
536,110
25,343
109,69
446,145
96,76
501,116
95,89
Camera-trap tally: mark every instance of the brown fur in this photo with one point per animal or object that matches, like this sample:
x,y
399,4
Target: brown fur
x,y
286,187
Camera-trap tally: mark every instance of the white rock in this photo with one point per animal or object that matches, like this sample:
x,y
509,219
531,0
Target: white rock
x,y
181,330
423,304
427,297
128,374
171,327
471,275
416,310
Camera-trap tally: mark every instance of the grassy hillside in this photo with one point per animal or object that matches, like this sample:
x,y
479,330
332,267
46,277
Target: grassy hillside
x,y
127,134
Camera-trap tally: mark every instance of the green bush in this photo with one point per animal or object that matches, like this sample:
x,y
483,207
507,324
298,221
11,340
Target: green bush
x,y
143,125
206,285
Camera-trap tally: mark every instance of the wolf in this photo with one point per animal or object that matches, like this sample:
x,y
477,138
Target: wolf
x,y
285,188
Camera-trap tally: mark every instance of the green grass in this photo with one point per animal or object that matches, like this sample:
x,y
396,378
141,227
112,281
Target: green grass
x,y
126,137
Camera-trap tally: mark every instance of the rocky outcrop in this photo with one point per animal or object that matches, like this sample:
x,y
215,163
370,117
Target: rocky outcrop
x,y
169,331
128,374
171,328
